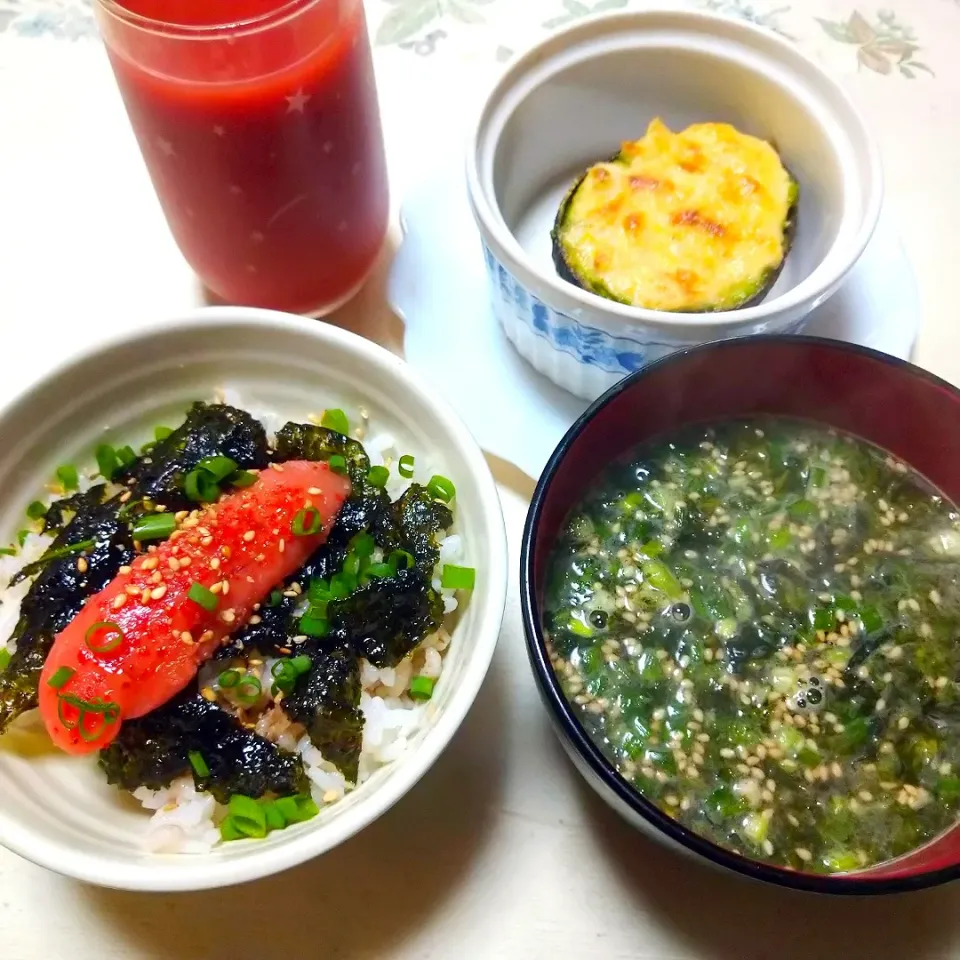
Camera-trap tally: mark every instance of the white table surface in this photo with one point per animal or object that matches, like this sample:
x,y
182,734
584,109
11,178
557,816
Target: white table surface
x,y
500,852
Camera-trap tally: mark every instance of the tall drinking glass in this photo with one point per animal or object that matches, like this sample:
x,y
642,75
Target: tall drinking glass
x,y
259,125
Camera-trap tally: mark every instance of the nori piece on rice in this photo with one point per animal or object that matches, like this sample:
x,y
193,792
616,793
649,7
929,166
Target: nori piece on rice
x,y
60,590
383,620
327,702
153,750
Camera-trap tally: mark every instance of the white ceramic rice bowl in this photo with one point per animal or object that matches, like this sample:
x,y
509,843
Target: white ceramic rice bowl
x,y
58,811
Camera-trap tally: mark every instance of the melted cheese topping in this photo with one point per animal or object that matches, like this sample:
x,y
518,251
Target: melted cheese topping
x,y
681,221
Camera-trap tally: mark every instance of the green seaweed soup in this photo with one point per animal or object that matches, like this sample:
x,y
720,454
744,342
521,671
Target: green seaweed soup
x,y
756,624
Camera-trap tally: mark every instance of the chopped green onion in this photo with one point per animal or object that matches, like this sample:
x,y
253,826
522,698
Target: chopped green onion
x,y
5,658
351,565
379,570
107,710
297,809
228,679
36,510
363,545
342,585
314,626
229,831
8,551
147,447
405,466
301,663
103,637
335,419
242,478
200,486
307,522
823,619
276,598
318,609
218,467
337,463
154,526
199,765
248,816
318,591
61,676
126,456
66,551
275,819
68,476
457,578
440,488
284,676
22,536
871,619
401,560
249,690
161,433
421,688
378,477
201,596
108,463
281,668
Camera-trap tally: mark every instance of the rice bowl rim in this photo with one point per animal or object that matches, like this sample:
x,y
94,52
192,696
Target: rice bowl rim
x,y
203,871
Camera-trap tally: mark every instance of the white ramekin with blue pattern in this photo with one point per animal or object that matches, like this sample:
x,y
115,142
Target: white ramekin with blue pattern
x,y
575,97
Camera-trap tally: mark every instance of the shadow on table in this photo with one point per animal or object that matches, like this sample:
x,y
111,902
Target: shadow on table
x,y
358,900
511,476
368,313
723,916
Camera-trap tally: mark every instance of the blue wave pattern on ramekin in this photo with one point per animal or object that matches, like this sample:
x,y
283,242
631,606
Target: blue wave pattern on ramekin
x,y
588,345
620,355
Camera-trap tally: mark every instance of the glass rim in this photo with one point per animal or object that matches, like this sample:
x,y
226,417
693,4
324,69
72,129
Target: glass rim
x,y
283,13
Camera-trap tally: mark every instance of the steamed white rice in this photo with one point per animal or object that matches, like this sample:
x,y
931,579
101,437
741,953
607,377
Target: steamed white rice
x,y
185,820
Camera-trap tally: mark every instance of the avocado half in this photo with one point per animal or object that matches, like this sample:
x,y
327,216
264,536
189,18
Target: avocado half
x,y
696,222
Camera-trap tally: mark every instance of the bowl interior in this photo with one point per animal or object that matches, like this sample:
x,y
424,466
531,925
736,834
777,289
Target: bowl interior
x,y
601,84
59,810
885,401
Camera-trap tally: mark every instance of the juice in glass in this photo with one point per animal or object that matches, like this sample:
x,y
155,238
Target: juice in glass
x,y
259,125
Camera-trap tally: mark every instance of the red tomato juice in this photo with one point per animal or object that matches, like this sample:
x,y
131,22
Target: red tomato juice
x,y
262,137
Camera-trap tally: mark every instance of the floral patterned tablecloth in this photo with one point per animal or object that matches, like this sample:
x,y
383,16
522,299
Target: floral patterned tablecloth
x,y
500,852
